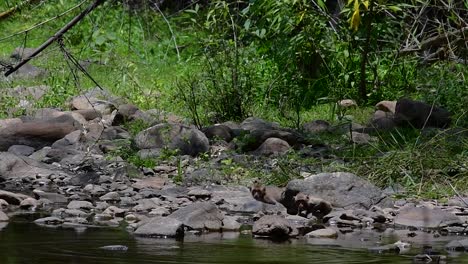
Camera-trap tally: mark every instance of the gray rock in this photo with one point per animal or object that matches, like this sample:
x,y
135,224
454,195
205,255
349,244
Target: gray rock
x,y
147,205
21,150
52,197
341,189
323,233
386,106
22,53
231,223
12,198
80,205
111,196
13,166
273,146
27,71
275,227
255,138
115,211
425,217
3,217
360,138
218,132
457,245
161,227
254,123
29,203
316,126
49,221
149,183
3,204
115,248
189,141
200,216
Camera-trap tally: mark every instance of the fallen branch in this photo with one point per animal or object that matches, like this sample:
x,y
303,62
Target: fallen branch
x,y
437,41
56,36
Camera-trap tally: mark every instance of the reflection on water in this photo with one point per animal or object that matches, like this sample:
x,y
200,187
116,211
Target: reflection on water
x,y
23,242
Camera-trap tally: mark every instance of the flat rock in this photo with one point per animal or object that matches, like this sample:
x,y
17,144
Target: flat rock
x,y
149,183
274,227
425,217
323,233
457,245
341,189
53,197
80,205
12,198
161,227
49,221
200,216
13,166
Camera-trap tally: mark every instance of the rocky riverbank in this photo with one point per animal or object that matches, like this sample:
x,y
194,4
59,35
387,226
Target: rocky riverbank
x,y
69,166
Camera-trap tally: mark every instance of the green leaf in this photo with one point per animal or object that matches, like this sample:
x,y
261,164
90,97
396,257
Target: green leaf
x,y
247,24
322,4
395,8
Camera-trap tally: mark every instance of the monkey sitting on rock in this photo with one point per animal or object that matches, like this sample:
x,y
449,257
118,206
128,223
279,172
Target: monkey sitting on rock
x,y
266,194
307,205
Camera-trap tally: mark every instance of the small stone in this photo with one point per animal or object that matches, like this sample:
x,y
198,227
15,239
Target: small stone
x,y
29,203
48,221
115,248
80,205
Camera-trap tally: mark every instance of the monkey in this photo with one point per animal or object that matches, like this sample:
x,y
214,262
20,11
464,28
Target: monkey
x,y
307,204
266,194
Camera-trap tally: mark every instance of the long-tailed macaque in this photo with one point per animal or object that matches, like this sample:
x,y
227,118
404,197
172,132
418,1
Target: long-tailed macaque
x,y
307,204
266,194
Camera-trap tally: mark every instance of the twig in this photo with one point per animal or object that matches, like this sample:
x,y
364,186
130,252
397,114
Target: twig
x,y
17,7
57,35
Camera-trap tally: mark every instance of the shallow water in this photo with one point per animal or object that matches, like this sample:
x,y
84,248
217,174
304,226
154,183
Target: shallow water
x,y
24,242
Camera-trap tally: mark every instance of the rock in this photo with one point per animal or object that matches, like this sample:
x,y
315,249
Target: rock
x,y
29,203
3,204
149,183
382,120
273,146
189,141
274,227
80,205
36,134
218,132
147,204
200,216
323,233
316,126
360,138
230,223
386,106
21,150
341,189
127,111
12,198
115,211
159,211
255,138
84,102
419,114
49,221
200,193
457,245
254,123
28,71
111,196
161,227
423,217
94,190
21,53
3,217
347,103
115,248
458,201
53,197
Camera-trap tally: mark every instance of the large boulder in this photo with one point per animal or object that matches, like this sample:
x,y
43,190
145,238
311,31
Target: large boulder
x,y
13,198
274,227
424,217
273,146
13,166
419,114
341,189
218,132
36,134
200,216
161,227
188,140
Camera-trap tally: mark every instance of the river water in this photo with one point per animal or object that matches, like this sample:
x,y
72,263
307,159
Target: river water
x,y
22,242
